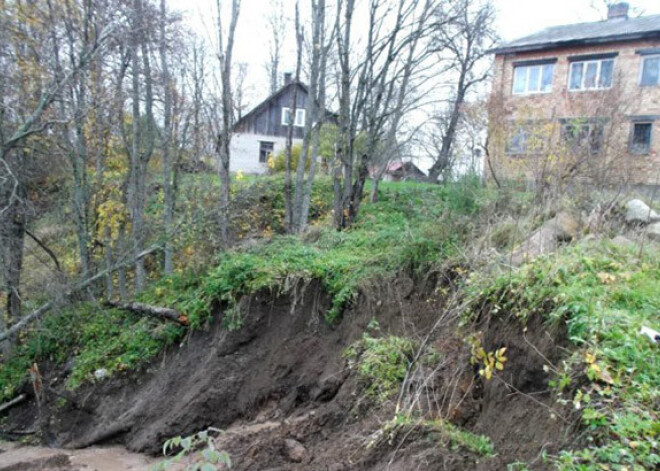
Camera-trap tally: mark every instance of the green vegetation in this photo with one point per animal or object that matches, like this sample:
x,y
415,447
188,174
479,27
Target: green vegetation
x,y
93,338
603,294
381,362
412,227
444,432
201,447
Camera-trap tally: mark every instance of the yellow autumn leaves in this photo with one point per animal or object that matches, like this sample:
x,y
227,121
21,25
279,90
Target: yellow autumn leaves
x,y
488,362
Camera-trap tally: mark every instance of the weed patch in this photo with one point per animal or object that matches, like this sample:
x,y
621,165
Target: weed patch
x,y
604,295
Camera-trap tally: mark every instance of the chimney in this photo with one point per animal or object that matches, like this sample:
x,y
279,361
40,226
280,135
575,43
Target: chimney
x,y
287,78
618,11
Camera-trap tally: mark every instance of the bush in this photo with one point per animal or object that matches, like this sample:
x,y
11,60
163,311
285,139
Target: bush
x,y
277,163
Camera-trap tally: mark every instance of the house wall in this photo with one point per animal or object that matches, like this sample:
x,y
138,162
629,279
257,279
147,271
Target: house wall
x,y
244,151
268,118
625,99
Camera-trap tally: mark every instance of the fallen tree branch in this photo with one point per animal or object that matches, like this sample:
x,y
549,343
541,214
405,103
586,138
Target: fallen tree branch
x,y
155,311
44,308
13,402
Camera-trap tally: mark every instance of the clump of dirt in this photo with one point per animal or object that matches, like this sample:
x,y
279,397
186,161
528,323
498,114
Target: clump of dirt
x,y
281,389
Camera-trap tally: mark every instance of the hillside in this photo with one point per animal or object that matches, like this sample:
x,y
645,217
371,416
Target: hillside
x,y
406,342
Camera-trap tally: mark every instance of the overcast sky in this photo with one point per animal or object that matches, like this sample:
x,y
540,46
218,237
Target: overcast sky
x,y
515,18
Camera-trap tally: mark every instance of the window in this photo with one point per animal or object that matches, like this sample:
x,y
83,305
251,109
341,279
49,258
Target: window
x,y
640,140
286,116
300,117
265,149
583,136
533,78
650,71
529,138
591,75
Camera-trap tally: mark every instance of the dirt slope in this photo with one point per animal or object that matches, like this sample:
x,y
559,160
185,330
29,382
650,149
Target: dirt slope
x,y
281,389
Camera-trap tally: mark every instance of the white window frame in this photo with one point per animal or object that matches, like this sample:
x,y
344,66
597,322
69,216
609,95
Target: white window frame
x,y
641,70
299,122
584,68
286,111
529,71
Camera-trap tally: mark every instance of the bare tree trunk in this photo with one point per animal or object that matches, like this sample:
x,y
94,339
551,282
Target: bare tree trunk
x,y
344,158
224,137
313,121
168,193
278,28
318,15
288,200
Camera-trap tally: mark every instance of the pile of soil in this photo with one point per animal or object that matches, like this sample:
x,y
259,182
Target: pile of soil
x,y
281,388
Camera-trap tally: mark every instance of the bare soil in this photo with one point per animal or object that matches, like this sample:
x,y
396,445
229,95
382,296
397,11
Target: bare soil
x,y
281,389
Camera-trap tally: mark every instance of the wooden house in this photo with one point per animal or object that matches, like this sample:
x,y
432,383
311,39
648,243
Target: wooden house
x,y
264,129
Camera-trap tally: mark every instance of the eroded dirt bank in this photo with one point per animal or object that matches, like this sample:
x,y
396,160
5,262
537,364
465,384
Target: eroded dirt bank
x,y
281,388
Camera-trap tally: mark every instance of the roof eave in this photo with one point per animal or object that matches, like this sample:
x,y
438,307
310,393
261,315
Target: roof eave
x,y
575,42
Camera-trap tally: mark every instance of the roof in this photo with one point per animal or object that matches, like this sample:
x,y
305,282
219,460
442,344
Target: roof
x,y
643,27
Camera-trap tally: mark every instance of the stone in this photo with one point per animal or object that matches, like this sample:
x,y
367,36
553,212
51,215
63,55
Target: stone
x,y
294,450
653,231
101,374
561,228
621,241
638,212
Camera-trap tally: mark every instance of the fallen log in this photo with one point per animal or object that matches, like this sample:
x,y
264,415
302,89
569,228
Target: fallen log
x,y
13,402
155,311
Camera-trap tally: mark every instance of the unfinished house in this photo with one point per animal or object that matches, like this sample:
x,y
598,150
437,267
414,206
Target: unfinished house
x,y
579,100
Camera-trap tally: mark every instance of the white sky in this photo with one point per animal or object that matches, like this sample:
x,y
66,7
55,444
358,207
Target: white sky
x,y
515,18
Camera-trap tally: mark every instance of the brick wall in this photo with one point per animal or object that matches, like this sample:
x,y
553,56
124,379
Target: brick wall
x,y
624,99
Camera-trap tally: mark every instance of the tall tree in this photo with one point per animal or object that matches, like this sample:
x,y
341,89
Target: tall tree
x,y
288,195
463,45
30,83
277,25
166,141
316,115
384,74
225,53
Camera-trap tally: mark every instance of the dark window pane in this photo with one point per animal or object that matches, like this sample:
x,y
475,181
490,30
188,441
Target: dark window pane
x,y
265,149
651,71
590,75
576,75
606,72
596,138
520,80
546,83
518,141
641,138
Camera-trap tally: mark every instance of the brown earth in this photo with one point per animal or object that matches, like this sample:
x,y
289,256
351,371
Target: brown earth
x,y
281,389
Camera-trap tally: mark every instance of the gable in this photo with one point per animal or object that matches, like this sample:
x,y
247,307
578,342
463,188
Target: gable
x,y
266,118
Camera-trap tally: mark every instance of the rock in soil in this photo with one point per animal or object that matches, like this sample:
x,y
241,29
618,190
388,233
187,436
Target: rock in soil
x,y
638,212
294,450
